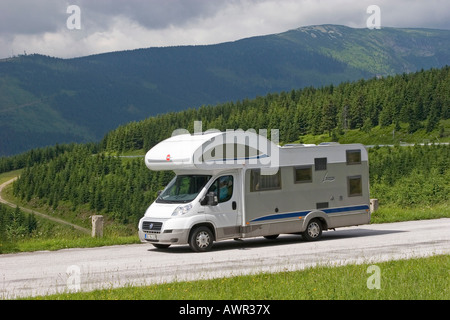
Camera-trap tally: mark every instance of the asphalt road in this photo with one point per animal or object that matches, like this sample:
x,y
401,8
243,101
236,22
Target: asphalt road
x,y
44,272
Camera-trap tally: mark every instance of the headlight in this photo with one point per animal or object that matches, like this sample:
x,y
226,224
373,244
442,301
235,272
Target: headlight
x,y
180,210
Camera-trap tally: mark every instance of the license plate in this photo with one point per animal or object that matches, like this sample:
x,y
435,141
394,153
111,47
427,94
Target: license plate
x,y
150,236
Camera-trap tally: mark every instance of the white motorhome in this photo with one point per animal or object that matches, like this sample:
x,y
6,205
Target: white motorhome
x,y
235,184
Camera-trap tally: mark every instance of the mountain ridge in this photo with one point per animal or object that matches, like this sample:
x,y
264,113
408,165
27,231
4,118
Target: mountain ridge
x,y
46,100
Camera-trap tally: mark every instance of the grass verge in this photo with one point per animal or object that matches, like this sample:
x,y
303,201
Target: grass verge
x,y
392,213
413,279
70,242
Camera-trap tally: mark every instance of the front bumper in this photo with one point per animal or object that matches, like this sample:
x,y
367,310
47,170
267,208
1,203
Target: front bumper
x,y
162,233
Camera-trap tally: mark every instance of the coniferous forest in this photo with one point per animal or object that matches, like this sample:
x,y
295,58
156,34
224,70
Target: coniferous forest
x,y
90,177
15,224
419,100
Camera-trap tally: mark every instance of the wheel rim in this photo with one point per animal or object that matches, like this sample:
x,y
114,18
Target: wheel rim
x,y
202,239
313,229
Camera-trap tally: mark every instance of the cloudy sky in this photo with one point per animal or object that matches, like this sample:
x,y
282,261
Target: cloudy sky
x,y
48,27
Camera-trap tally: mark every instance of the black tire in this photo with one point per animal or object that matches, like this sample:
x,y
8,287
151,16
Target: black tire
x,y
161,246
313,230
201,239
272,237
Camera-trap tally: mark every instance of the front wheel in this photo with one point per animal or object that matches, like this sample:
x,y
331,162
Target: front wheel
x,y
201,239
313,230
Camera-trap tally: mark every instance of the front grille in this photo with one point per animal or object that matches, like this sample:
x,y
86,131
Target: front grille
x,y
152,226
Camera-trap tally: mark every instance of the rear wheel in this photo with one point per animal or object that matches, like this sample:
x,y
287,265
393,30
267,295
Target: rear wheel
x,y
201,239
313,230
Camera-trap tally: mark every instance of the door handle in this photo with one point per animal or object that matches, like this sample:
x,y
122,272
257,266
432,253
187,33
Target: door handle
x,y
234,205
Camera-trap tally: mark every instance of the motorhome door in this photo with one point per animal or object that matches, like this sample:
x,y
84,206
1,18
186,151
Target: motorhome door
x,y
224,213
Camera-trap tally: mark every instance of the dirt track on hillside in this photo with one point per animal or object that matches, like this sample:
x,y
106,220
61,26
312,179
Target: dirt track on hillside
x,y
40,214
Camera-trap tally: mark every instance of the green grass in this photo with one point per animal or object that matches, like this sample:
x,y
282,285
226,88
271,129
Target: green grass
x,y
413,279
58,243
53,236
6,176
389,213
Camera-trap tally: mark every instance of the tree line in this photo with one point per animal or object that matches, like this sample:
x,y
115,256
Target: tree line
x,y
40,155
14,225
419,99
410,176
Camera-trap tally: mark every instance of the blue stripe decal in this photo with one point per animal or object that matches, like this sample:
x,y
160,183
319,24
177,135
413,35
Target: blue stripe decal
x,y
345,209
304,213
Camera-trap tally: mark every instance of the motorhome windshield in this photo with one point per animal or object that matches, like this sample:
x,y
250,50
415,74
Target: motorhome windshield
x,y
183,188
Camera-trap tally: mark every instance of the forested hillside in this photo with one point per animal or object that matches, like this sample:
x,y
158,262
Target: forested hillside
x,y
82,179
47,100
419,100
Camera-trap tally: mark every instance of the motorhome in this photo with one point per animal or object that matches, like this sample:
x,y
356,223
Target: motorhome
x,y
236,185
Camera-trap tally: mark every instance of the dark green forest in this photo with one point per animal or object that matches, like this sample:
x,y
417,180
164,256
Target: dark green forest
x,y
419,99
14,225
90,177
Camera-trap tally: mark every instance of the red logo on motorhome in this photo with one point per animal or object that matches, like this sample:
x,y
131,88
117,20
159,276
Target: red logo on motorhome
x,y
168,157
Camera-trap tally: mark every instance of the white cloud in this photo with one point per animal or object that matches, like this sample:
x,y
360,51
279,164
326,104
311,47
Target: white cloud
x,y
108,25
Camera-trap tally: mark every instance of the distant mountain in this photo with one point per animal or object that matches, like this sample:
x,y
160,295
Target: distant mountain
x,y
46,100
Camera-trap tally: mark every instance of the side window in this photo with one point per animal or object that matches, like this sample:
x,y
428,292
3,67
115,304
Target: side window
x,y
303,174
320,164
354,186
353,156
223,187
259,182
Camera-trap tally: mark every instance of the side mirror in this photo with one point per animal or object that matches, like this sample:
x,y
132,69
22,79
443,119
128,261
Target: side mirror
x,y
210,199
